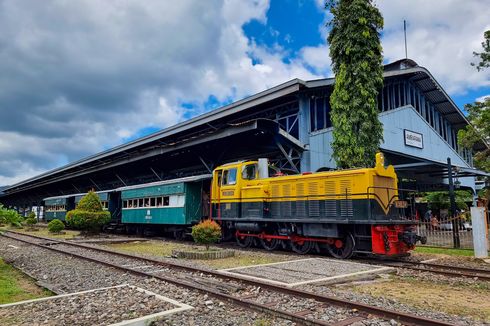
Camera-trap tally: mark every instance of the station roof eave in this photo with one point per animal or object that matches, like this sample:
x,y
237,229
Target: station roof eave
x,y
235,133
287,88
431,168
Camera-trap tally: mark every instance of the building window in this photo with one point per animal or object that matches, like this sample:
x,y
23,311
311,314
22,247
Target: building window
x,y
319,113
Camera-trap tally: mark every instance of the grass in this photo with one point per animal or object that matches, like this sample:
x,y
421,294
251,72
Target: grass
x,y
444,251
16,286
463,300
164,248
43,232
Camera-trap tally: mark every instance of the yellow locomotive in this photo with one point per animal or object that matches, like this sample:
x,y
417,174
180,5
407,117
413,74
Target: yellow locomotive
x,y
346,212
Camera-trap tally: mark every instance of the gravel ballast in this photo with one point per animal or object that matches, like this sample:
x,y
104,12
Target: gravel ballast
x,y
64,274
99,307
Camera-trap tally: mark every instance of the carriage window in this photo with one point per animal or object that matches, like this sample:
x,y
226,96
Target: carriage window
x,y
152,202
147,202
249,172
159,201
125,204
166,201
141,202
229,177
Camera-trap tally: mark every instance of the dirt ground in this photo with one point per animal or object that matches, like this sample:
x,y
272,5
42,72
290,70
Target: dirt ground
x,y
470,300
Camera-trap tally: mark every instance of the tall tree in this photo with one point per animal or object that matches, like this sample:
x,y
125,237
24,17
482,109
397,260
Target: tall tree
x,y
484,56
479,115
356,53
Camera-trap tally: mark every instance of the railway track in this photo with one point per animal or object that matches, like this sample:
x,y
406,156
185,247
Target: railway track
x,y
451,271
257,295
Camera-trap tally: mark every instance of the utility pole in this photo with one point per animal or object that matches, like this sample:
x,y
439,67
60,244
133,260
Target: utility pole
x,y
405,33
455,224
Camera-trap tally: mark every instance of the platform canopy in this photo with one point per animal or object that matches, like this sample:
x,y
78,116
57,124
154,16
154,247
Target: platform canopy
x,y
197,154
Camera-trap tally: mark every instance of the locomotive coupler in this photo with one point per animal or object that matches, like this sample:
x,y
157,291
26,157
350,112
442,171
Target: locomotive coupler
x,y
410,238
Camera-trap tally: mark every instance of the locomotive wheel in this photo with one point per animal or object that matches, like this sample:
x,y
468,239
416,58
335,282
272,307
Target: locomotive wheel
x,y
244,242
301,247
270,244
342,248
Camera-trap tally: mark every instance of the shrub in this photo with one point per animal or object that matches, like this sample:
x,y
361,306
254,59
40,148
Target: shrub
x,y
31,215
88,215
56,226
30,221
206,232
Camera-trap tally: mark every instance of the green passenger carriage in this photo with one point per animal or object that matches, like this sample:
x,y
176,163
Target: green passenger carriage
x,y
56,207
173,204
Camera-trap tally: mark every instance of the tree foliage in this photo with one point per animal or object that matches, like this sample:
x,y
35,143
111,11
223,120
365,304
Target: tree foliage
x,y
356,54
484,57
206,232
440,199
88,215
476,131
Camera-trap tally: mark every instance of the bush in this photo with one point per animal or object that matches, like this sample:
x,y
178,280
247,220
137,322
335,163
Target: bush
x,y
89,214
56,226
30,221
10,216
206,232
31,215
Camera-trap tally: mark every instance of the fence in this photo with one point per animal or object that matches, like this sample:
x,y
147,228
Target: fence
x,y
440,233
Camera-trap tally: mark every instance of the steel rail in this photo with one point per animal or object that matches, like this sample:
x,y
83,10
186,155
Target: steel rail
x,y
451,271
207,290
374,310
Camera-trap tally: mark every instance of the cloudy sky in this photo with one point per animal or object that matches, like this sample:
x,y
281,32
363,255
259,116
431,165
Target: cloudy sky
x,y
77,77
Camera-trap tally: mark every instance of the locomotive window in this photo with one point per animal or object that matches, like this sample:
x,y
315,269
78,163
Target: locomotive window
x,y
166,201
229,177
249,172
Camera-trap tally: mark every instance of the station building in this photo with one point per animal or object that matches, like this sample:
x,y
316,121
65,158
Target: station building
x,y
289,124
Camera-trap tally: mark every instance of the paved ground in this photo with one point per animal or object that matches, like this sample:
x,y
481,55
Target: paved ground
x,y
305,271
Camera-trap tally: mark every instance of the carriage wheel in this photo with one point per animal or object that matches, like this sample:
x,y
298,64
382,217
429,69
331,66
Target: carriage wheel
x,y
301,247
270,244
342,248
244,242
179,235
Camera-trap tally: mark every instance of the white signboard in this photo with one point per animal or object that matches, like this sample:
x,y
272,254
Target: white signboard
x,y
414,139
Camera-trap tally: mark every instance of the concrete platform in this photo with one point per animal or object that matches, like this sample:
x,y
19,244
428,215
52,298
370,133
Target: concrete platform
x,y
306,271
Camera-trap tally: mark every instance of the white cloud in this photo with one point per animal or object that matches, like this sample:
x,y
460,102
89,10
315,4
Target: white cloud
x,y
442,36
79,77
482,98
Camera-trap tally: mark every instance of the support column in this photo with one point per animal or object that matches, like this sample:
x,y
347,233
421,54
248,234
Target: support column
x,y
452,200
304,130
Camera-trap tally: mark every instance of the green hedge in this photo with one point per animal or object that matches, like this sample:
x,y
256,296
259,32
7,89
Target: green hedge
x,y
89,214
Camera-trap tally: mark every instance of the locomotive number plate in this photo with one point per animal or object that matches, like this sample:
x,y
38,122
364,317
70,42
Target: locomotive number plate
x,y
401,204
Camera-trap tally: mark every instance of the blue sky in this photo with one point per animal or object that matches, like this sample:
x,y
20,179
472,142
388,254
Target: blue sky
x,y
82,76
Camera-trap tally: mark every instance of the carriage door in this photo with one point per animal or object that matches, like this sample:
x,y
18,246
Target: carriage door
x,y
230,194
